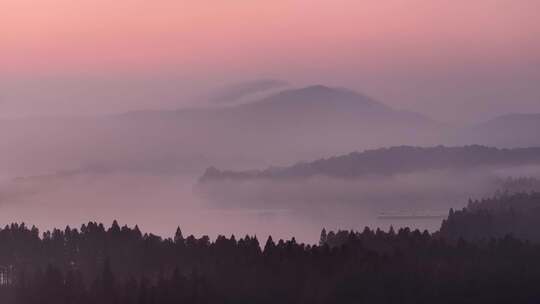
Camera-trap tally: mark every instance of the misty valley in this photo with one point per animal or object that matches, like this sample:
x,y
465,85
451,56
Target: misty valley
x,y
298,195
400,186
269,152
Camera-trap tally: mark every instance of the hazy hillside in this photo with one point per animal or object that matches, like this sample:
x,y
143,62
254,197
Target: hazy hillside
x,y
512,130
289,126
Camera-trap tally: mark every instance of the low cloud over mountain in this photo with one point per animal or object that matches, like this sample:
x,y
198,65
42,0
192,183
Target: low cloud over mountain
x,y
288,126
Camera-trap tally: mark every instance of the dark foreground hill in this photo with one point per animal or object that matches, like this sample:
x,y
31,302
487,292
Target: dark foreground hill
x,y
95,265
515,214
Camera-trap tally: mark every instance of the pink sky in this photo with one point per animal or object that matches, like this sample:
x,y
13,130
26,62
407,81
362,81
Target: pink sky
x,y
410,53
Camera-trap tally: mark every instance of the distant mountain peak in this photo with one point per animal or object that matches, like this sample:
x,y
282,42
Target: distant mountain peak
x,y
509,131
322,95
512,120
319,90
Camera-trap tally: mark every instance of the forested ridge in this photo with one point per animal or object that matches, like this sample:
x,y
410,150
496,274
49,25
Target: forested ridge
x,y
511,185
119,264
389,161
517,214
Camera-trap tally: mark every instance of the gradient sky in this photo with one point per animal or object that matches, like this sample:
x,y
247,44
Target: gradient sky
x,y
453,60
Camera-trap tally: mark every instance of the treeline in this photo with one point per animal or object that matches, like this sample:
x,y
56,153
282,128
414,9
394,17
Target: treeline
x,y
94,265
480,255
517,185
389,161
516,214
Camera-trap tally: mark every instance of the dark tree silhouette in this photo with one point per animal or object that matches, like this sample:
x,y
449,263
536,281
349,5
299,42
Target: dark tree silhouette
x,y
472,259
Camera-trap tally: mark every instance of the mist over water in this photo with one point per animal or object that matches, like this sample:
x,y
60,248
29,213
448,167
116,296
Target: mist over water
x,y
159,203
150,141
143,168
